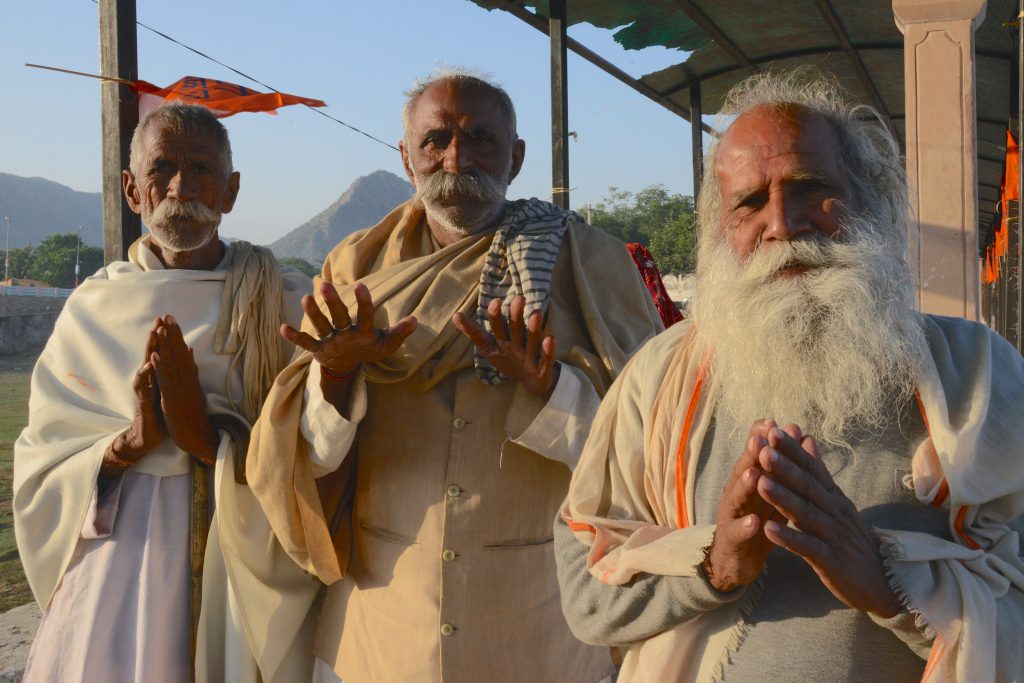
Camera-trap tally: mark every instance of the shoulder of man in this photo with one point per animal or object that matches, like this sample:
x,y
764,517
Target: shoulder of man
x,y
966,338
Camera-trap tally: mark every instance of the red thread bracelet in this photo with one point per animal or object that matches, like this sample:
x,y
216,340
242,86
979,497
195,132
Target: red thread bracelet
x,y
333,377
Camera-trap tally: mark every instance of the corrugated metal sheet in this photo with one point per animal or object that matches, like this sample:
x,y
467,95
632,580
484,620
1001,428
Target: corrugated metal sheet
x,y
796,33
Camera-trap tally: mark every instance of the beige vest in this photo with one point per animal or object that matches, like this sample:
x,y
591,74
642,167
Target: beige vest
x,y
452,571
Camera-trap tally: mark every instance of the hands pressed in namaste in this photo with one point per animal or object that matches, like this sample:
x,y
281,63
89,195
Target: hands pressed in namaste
x,y
169,401
182,399
516,348
783,469
830,534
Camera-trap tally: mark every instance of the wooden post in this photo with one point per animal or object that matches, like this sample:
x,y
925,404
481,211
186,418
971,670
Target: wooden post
x,y
559,105
696,139
120,115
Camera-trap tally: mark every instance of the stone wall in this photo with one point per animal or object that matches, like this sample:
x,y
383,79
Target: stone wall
x,y
26,323
26,332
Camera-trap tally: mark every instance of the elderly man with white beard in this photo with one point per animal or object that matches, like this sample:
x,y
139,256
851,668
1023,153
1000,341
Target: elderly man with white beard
x,y
812,481
142,399
453,360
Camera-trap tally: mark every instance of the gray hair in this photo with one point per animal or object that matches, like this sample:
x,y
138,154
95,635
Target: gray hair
x,y
177,117
464,79
869,155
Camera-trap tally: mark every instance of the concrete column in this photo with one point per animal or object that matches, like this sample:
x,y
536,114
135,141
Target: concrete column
x,y
938,40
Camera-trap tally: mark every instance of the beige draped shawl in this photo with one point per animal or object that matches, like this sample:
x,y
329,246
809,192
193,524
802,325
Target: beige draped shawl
x,y
408,275
632,505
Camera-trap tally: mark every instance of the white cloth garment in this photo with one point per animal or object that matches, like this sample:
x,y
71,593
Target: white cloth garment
x,y
111,566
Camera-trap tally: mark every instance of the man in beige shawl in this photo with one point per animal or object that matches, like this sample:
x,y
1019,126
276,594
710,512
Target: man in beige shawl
x,y
145,391
813,481
446,412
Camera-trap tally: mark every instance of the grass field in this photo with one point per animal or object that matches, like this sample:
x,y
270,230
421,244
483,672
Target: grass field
x,y
14,386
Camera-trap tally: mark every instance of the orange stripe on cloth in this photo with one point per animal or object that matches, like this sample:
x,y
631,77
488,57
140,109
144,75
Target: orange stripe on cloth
x,y
959,525
938,652
682,519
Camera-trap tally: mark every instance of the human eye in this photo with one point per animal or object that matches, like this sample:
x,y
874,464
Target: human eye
x,y
435,140
479,135
159,167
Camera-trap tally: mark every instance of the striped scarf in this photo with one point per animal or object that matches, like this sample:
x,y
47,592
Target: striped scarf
x,y
520,261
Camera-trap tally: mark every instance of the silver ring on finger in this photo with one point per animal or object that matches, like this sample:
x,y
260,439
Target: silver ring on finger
x,y
329,336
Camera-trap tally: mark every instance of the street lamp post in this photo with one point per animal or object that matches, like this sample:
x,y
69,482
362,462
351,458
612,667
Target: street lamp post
x,y
78,247
7,250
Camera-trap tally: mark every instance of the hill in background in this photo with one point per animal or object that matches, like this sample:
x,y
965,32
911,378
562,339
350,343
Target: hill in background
x,y
38,207
364,203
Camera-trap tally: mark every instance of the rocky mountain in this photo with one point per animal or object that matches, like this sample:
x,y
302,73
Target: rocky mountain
x,y
38,207
364,203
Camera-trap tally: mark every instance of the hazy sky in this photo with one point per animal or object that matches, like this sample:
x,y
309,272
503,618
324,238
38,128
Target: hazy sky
x,y
357,56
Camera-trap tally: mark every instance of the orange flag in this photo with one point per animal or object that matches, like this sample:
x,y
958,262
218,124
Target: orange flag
x,y
225,99
1011,178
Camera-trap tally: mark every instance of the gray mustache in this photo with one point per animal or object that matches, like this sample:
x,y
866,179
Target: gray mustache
x,y
193,211
472,184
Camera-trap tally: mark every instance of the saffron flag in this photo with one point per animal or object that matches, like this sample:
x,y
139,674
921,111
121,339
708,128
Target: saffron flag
x,y
225,99
1009,190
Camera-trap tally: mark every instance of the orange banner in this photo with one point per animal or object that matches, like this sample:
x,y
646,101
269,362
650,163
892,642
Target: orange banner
x,y
225,99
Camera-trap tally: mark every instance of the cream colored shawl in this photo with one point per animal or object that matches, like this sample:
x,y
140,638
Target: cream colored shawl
x,y
631,500
81,396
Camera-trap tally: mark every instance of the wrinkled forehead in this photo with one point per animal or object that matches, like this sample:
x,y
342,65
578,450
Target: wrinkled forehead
x,y
778,134
451,101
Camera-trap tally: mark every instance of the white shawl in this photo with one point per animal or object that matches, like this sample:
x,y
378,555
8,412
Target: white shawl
x,y
81,397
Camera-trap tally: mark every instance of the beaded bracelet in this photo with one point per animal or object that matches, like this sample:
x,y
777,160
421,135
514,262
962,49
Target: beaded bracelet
x,y
334,377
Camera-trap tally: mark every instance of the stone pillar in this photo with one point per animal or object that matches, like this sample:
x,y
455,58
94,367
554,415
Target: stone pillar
x,y
938,49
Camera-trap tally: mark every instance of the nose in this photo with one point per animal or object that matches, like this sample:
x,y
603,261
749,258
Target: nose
x,y
456,156
785,219
181,187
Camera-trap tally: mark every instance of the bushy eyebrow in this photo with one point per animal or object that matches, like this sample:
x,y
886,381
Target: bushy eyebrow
x,y
800,179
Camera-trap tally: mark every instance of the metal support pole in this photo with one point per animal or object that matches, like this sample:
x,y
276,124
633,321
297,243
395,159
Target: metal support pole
x,y
78,250
7,251
559,104
696,139
120,115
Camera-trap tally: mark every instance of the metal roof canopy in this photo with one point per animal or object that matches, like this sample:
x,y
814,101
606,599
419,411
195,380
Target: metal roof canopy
x,y
856,40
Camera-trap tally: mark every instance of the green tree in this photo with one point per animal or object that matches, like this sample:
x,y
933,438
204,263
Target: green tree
x,y
299,264
20,262
53,261
661,221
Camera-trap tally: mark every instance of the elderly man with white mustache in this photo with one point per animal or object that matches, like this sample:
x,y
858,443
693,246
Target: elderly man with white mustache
x,y
143,398
453,360
812,481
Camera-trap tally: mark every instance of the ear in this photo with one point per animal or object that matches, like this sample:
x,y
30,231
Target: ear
x,y
231,194
518,154
404,151
131,191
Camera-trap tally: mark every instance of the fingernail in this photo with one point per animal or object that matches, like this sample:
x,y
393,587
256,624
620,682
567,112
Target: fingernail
x,y
779,434
769,485
773,455
773,527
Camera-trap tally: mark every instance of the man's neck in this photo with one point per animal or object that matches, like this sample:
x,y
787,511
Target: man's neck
x,y
205,258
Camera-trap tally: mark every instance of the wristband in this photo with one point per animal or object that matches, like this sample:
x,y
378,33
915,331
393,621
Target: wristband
x,y
335,377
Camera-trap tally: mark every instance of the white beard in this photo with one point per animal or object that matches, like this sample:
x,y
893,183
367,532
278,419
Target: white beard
x,y
831,349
